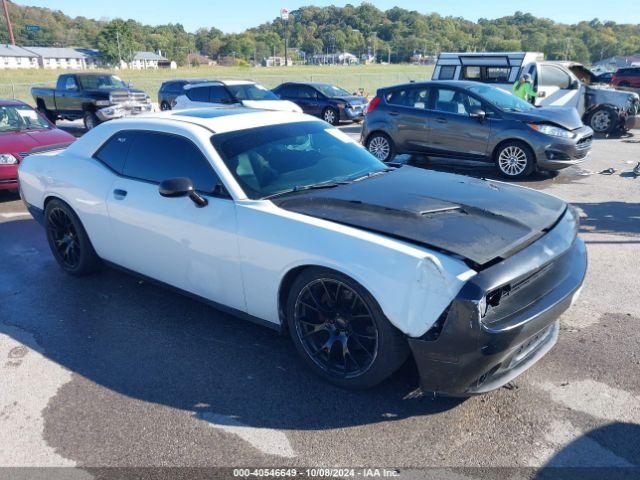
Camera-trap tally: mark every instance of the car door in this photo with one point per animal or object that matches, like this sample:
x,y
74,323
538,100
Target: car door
x,y
69,98
560,87
309,101
407,113
454,132
172,240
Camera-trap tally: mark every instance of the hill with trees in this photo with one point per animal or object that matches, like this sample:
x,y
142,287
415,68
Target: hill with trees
x,y
394,34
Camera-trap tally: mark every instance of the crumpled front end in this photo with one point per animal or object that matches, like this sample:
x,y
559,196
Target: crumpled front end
x,y
505,318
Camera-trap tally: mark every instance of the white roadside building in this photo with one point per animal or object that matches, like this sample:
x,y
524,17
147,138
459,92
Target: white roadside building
x,y
64,58
148,60
12,57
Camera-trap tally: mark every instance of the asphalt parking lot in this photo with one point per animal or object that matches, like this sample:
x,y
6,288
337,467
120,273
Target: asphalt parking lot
x,y
108,370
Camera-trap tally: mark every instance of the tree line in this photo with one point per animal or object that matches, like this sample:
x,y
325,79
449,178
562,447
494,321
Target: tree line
x,y
395,34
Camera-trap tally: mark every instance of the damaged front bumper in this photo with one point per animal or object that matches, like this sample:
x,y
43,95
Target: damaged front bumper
x,y
631,122
123,110
504,319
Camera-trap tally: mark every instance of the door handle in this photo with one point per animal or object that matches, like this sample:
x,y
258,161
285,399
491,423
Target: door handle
x,y
395,114
119,194
441,120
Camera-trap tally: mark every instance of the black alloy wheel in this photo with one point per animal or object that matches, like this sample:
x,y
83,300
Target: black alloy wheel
x,y
65,238
336,328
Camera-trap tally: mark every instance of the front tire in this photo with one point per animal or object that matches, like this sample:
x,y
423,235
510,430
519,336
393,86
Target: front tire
x,y
91,120
68,240
603,120
381,146
331,115
340,331
515,159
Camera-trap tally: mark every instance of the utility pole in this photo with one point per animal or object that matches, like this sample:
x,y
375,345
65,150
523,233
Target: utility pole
x,y
12,39
119,52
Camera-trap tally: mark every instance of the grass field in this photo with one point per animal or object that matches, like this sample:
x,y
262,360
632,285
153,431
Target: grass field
x,y
18,83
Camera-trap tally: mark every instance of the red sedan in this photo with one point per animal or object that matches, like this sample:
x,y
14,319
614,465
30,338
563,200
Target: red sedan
x,y
24,131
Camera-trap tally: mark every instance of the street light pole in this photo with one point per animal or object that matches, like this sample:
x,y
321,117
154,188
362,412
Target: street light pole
x,y
284,14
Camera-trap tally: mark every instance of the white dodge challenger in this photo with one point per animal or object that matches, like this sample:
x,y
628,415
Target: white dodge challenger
x,y
282,219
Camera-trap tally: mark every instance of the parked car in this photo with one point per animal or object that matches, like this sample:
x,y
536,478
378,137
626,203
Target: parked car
x,y
23,131
172,89
237,93
287,221
567,84
474,121
323,100
627,77
94,97
604,77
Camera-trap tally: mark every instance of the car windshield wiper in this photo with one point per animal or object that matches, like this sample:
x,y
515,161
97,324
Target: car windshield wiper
x,y
372,174
302,188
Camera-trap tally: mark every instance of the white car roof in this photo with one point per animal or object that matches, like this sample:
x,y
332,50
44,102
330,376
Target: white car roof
x,y
217,83
220,120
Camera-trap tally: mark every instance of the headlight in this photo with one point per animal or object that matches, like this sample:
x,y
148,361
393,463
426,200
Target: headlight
x,y
7,159
553,131
102,103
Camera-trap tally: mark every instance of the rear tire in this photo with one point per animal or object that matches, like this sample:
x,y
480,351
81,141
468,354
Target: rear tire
x,y
515,159
47,114
91,120
68,240
340,330
381,146
603,120
164,106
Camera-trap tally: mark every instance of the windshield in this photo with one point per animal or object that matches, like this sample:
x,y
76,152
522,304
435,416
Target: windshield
x,y
251,91
501,99
99,82
21,117
279,158
331,90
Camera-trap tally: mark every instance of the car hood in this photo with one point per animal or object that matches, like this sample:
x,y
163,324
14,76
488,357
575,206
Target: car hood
x,y
565,117
276,105
23,142
352,99
478,220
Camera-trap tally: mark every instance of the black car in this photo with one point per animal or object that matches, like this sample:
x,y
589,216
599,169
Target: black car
x,y
172,89
474,121
323,100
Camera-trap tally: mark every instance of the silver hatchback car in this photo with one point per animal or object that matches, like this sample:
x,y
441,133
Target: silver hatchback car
x,y
474,121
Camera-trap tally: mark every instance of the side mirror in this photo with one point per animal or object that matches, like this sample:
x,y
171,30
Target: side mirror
x,y
181,187
574,85
479,113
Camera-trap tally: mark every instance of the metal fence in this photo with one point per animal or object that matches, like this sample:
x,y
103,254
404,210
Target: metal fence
x,y
349,80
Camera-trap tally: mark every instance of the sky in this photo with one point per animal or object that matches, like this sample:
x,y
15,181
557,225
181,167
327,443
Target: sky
x,y
237,15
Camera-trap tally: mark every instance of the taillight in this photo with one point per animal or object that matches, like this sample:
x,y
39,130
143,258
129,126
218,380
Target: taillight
x,y
373,104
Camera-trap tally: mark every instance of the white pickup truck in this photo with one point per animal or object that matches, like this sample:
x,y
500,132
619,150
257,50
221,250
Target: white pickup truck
x,y
603,108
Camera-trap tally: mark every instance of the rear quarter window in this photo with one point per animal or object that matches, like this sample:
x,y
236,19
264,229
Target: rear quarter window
x,y
113,153
447,72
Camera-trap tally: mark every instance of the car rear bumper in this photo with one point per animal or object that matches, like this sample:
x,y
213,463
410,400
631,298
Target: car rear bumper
x,y
473,355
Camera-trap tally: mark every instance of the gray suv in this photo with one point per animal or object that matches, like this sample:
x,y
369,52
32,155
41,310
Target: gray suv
x,y
474,121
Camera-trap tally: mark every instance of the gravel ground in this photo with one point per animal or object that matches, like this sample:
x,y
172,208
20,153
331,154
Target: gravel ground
x,y
108,371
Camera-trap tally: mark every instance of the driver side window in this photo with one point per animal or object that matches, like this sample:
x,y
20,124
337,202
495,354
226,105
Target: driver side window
x,y
71,84
154,157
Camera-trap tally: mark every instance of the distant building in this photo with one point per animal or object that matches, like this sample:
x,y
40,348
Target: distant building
x,y
420,59
344,58
197,59
617,62
149,61
276,62
12,57
64,58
